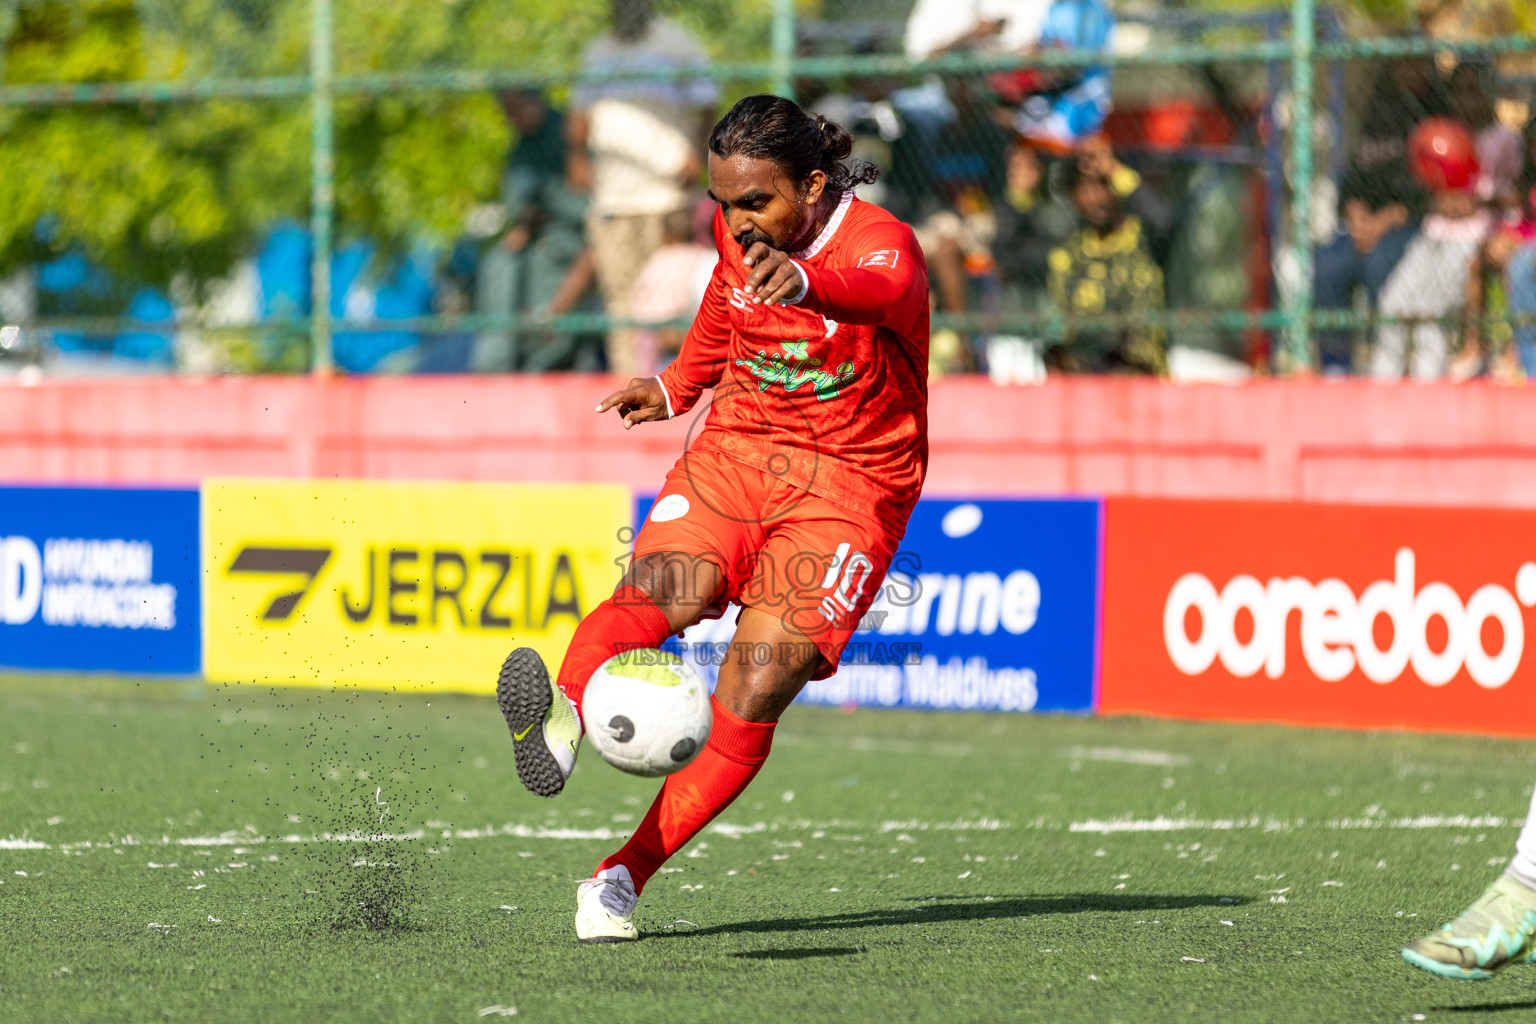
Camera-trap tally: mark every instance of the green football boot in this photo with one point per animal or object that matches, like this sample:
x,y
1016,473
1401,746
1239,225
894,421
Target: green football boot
x,y
1496,930
545,726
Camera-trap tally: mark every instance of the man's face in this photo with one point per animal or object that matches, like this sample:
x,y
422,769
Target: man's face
x,y
1095,203
524,111
1023,169
1455,203
1362,224
760,204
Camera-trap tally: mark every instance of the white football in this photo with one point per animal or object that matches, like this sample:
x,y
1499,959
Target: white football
x,y
646,712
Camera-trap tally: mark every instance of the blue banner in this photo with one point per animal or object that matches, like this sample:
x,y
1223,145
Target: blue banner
x,y
100,579
989,605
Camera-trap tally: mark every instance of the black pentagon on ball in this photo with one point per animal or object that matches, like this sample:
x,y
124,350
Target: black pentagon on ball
x,y
683,749
623,729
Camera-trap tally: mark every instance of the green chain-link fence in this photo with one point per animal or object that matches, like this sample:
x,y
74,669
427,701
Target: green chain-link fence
x,y
213,185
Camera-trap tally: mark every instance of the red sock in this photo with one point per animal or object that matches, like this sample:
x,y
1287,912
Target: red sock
x,y
691,798
626,621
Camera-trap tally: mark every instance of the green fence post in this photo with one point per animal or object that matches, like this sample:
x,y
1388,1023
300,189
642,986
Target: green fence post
x,y
783,41
322,198
1303,36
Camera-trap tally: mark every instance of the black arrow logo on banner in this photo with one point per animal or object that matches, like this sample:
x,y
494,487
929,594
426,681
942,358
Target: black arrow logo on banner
x,y
269,561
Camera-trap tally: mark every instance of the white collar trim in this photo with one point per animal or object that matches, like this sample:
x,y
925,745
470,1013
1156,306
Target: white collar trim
x,y
828,231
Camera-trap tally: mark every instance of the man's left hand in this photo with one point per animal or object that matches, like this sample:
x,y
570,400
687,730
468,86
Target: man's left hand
x,y
774,280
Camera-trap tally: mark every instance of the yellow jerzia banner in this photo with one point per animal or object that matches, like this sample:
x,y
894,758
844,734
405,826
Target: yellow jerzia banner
x,y
420,585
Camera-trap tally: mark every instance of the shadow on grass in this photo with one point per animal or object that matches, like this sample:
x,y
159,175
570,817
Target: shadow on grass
x,y
968,908
797,954
1525,1004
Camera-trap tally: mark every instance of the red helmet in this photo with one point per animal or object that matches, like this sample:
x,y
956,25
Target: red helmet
x,y
1442,155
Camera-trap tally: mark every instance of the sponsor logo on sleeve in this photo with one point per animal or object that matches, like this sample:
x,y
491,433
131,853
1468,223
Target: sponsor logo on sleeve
x,y
881,258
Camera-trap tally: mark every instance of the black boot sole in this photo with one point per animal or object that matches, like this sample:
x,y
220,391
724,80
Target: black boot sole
x,y
523,694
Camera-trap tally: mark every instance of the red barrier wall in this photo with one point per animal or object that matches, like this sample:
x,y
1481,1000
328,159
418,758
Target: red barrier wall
x,y
1351,441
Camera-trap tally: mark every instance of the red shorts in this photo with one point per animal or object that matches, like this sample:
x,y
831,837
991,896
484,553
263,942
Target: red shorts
x,y
783,550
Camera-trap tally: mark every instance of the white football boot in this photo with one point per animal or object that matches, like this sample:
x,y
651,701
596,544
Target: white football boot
x,y
604,905
545,725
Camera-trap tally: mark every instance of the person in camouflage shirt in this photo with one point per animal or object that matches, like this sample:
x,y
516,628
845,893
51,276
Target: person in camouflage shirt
x,y
1105,267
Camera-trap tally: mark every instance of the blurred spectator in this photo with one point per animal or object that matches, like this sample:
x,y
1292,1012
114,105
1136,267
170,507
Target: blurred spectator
x,y
1137,198
1375,231
957,225
1061,109
1055,108
1498,147
1030,223
1406,92
1520,279
640,145
872,119
941,26
541,266
1433,280
1520,276
947,170
670,287
1511,252
1105,267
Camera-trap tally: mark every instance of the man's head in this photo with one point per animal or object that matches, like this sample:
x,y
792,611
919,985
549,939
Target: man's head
x,y
1096,203
1025,173
677,227
525,108
631,18
773,168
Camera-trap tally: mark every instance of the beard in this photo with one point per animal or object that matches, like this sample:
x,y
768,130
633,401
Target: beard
x,y
751,238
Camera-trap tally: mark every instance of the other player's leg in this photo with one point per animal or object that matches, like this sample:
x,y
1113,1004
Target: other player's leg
x,y
1498,929
661,594
748,700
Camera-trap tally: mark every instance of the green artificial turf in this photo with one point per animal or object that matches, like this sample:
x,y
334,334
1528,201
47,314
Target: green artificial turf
x,y
885,866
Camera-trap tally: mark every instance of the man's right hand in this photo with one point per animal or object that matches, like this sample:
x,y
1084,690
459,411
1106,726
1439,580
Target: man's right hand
x,y
642,401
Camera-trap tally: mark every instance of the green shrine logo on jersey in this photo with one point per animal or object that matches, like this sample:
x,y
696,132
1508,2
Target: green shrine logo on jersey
x,y
795,368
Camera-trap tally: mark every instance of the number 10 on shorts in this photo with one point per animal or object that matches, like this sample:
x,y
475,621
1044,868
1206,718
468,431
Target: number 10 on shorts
x,y
850,574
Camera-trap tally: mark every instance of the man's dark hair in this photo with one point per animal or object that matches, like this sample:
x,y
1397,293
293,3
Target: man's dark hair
x,y
1380,190
631,18
777,129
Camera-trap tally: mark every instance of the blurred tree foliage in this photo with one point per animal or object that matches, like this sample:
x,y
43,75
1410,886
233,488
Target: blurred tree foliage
x,y
154,190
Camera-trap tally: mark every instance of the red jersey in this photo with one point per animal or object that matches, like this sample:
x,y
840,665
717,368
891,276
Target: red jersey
x,y
831,393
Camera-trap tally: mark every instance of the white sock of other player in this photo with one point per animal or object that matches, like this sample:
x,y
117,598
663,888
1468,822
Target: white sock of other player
x,y
1523,867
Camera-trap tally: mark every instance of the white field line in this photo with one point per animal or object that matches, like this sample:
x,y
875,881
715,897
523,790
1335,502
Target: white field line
x,y
1156,758
1164,824
962,825
21,844
560,834
731,830
248,839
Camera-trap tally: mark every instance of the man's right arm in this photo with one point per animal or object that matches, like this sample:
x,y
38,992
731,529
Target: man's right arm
x,y
701,362
699,365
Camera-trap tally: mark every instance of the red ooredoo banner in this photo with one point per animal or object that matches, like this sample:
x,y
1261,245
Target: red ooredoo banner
x,y
1321,615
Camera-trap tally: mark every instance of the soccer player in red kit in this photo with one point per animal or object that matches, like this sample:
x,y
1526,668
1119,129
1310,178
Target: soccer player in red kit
x,y
813,334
